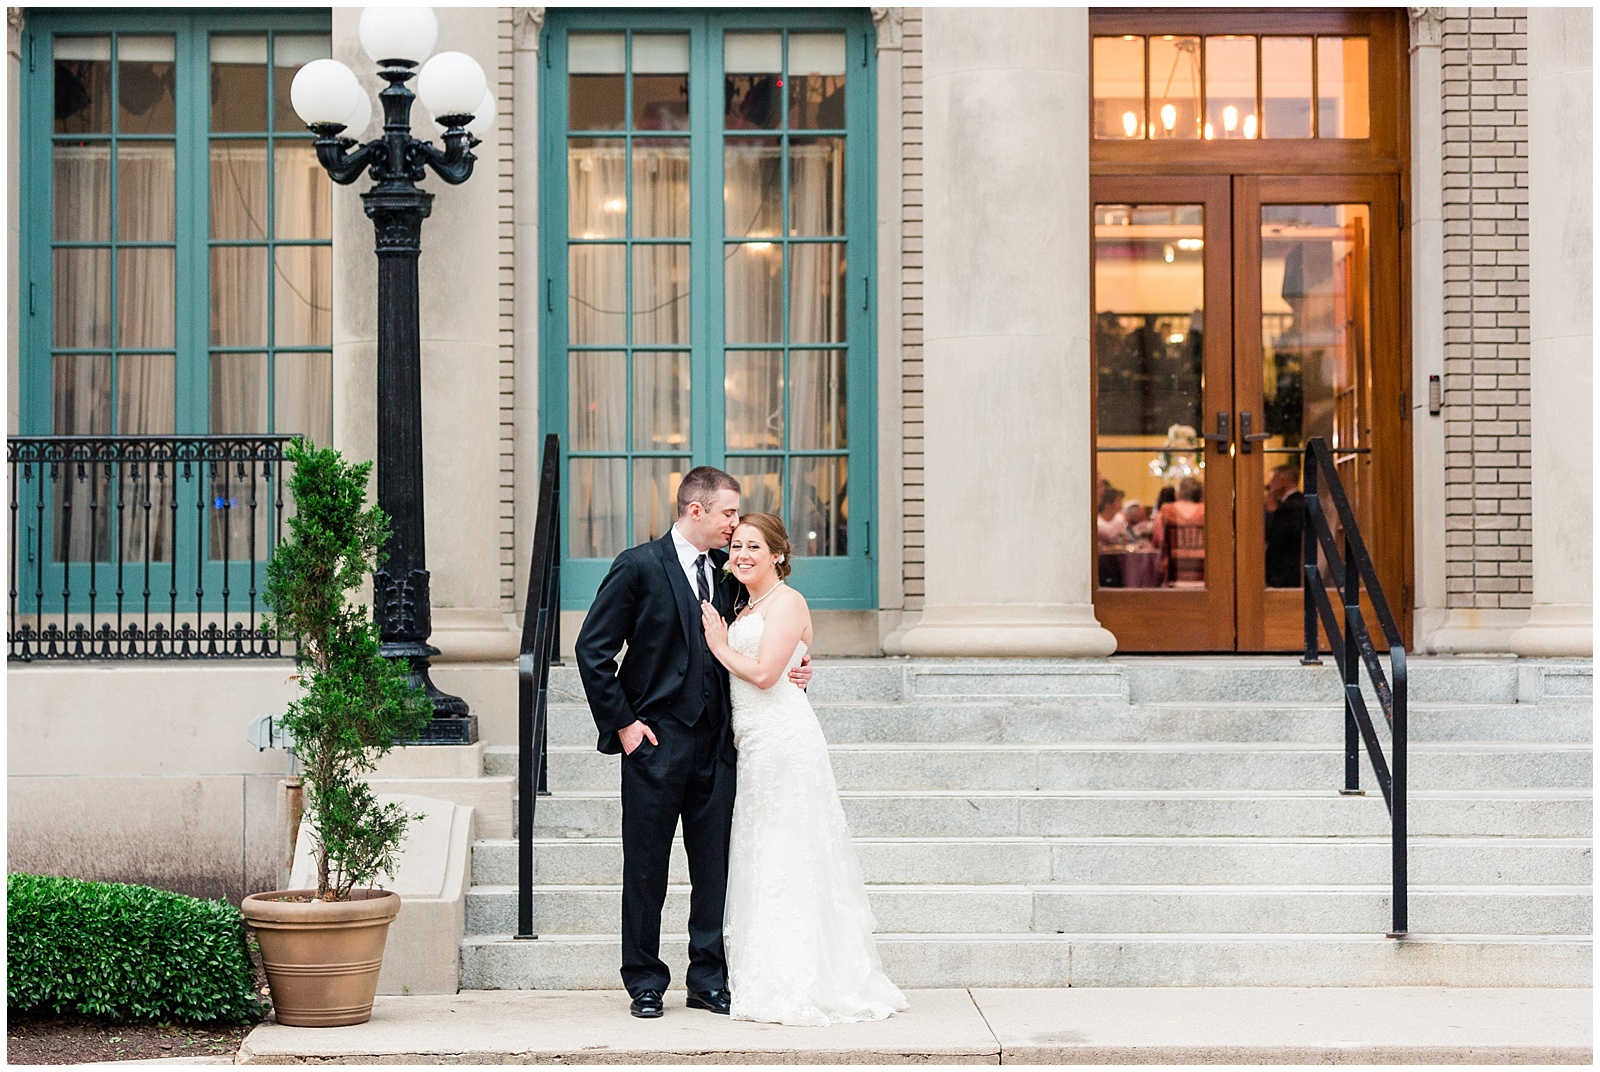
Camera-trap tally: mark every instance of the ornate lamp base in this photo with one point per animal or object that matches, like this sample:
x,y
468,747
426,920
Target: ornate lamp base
x,y
452,723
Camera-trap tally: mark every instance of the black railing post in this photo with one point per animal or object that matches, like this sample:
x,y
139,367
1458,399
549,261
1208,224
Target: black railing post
x,y
1351,643
1397,797
540,628
1349,671
1309,574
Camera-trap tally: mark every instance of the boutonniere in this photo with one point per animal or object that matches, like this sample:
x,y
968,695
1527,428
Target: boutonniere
x,y
727,568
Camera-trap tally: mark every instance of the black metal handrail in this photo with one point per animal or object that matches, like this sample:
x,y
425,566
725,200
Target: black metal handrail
x,y
1353,648
541,646
142,547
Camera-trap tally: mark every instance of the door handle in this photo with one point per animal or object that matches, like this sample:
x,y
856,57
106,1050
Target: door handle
x,y
1221,438
1245,436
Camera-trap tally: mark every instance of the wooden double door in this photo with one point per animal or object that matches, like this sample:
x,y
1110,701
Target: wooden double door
x,y
1236,316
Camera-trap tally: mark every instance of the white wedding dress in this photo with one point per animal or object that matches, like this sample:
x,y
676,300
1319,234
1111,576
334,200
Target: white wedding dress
x,y
797,927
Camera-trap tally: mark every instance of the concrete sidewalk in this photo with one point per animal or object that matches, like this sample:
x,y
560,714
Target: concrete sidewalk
x,y
1170,1025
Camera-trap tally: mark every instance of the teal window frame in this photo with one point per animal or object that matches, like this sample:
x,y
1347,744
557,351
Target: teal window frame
x,y
836,582
191,30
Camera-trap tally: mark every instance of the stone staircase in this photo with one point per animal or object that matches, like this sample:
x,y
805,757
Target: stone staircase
x,y
1128,822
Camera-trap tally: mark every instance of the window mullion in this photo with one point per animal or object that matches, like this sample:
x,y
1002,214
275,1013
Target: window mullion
x,y
707,329
114,232
193,312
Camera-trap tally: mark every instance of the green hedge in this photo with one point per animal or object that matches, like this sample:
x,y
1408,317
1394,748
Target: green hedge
x,y
125,952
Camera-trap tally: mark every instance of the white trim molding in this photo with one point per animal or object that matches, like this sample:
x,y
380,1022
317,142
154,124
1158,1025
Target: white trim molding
x,y
890,23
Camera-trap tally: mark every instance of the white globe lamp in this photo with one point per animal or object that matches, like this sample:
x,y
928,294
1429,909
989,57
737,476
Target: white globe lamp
x,y
451,84
361,118
483,117
401,34
325,92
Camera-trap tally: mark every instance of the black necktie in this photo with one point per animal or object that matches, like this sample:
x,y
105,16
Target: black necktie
x,y
701,584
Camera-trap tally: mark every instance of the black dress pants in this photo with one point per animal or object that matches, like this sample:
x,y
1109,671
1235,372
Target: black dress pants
x,y
684,774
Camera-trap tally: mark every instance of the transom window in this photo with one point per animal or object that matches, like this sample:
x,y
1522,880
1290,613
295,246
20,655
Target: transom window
x,y
1230,86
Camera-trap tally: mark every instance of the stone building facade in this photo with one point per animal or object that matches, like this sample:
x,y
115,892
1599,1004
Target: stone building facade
x,y
981,365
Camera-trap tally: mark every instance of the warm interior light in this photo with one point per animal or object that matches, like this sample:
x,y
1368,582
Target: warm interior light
x,y
1230,118
1250,125
1169,116
1191,244
614,204
760,247
1167,254
1209,132
1130,123
1175,340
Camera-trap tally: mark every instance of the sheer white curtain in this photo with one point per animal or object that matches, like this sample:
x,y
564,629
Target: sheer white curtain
x,y
141,389
599,307
598,388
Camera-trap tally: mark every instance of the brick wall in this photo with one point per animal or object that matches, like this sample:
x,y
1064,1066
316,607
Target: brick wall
x,y
911,504
506,282
1488,498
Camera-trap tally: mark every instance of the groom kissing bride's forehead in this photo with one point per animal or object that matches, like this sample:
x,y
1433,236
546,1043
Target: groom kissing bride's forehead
x,y
708,507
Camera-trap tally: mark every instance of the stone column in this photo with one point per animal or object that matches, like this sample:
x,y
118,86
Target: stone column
x,y
1561,271
460,384
1425,217
1006,346
889,23
527,24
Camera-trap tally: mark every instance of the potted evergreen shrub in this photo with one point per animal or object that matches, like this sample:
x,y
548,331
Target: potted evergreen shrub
x,y
323,948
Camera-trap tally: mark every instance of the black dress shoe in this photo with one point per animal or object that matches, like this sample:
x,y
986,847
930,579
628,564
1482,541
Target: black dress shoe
x,y
720,1001
646,1004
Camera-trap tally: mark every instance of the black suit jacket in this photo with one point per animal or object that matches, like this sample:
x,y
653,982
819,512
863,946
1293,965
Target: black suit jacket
x,y
645,602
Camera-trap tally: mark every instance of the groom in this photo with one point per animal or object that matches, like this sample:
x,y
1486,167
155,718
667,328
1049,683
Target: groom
x,y
666,710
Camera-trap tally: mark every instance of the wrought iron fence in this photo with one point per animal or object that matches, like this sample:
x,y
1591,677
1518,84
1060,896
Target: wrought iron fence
x,y
142,547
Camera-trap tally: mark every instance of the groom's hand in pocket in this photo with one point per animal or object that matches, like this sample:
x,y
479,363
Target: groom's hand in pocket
x,y
631,735
801,674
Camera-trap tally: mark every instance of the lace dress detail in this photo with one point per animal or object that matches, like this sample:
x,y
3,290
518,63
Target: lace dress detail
x,y
797,928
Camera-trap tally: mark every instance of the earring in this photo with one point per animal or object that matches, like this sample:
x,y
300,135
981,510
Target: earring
x,y
780,558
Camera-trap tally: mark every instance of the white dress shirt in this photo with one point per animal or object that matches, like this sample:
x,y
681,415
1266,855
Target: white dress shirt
x,y
687,553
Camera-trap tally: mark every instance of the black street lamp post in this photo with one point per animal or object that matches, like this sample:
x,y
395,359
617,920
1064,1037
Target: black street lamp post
x,y
396,162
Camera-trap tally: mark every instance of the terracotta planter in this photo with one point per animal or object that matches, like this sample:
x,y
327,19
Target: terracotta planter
x,y
322,958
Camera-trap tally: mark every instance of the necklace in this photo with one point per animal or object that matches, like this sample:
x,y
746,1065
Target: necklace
x,y
777,585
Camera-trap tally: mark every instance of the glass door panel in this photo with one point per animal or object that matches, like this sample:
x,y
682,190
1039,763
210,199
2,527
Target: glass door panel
x,y
1319,357
1315,374
1163,499
1149,340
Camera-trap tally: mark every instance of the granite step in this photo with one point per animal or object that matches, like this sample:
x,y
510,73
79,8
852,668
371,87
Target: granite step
x,y
1093,909
1473,861
590,962
1050,722
1125,765
1562,813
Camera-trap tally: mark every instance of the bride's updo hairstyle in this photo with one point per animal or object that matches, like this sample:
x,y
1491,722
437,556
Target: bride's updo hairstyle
x,y
776,538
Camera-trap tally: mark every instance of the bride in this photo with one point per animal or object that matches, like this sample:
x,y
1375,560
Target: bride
x,y
797,928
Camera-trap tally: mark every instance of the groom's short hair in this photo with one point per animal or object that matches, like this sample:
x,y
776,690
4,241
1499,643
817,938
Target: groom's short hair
x,y
701,484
